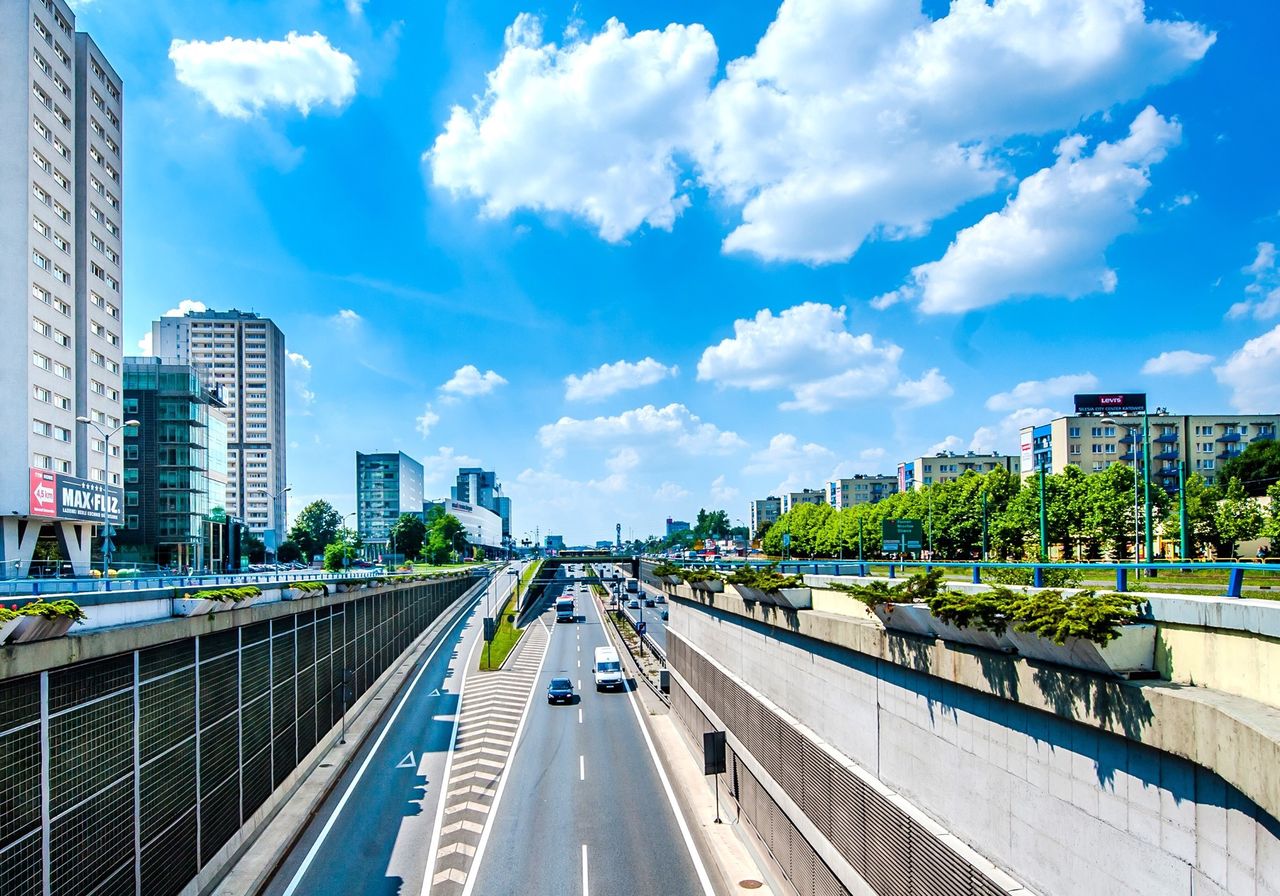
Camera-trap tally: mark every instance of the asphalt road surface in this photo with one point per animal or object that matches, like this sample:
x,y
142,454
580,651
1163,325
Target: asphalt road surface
x,y
585,811
373,832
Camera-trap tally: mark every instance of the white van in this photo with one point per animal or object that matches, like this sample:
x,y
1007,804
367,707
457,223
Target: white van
x,y
608,669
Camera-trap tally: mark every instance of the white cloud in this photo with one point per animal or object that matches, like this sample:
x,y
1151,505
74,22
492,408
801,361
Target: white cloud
x,y
1051,237
1263,288
427,421
468,382
297,359
144,345
346,318
869,454
185,306
355,8
1179,363
610,379
784,454
670,491
240,78
722,493
929,389
674,425
439,469
950,443
849,121
624,459
590,129
1252,373
1003,436
809,350
1032,391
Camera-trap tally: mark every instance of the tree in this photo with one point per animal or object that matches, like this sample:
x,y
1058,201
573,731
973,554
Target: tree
x,y
1256,468
442,537
289,552
315,528
338,555
408,535
252,547
1237,517
1202,527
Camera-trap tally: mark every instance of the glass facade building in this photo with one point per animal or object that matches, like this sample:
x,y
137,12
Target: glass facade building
x,y
387,485
174,465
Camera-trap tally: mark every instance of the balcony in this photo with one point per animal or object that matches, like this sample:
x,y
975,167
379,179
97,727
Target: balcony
x,y
1130,437
1264,437
1167,471
1229,437
1228,455
1167,454
1129,457
1168,438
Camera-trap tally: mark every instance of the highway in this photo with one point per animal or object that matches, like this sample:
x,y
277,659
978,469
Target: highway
x,y
585,810
373,832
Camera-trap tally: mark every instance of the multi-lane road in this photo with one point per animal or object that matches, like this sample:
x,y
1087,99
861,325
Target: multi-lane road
x,y
585,807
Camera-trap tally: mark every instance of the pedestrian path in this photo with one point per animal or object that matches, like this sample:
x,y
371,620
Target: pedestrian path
x,y
493,704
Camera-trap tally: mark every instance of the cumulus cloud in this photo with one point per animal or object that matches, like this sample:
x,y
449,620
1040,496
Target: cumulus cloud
x,y
809,350
610,379
439,469
590,129
785,453
723,493
1252,374
346,318
1051,237
670,491
848,121
427,421
297,359
468,382
1040,391
674,425
185,306
929,389
240,78
1178,363
1003,435
1263,291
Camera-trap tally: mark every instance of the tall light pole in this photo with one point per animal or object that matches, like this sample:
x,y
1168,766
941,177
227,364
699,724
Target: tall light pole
x,y
1133,450
272,496
346,541
1044,547
106,482
1182,509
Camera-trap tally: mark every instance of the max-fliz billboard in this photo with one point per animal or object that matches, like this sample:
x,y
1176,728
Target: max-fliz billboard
x,y
61,497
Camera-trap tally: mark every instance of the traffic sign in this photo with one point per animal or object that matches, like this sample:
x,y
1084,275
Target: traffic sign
x,y
642,626
902,535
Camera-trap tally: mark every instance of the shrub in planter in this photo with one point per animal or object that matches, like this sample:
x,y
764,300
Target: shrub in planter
x,y
304,589
766,585
1089,615
873,594
893,606
703,579
1052,578
9,620
41,619
986,610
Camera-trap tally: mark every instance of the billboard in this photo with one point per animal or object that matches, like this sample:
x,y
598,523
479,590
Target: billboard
x,y
902,535
61,497
1112,403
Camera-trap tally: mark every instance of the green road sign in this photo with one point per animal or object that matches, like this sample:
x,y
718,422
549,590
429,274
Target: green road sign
x,y
902,535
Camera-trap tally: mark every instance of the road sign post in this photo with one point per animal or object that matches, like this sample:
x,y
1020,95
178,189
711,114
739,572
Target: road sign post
x,y
713,761
902,536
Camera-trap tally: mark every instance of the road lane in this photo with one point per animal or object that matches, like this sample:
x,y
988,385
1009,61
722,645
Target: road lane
x,y
372,832
588,783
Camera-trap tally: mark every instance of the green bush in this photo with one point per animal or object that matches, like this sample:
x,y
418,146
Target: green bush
x,y
699,574
987,610
58,609
310,587
1089,615
667,569
766,578
873,594
226,595
1052,578
922,586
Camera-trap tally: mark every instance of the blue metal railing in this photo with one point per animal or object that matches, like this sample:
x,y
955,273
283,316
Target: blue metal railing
x,y
1234,572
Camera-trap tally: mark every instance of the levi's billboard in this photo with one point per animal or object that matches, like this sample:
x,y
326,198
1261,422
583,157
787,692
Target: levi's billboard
x,y
1112,403
61,497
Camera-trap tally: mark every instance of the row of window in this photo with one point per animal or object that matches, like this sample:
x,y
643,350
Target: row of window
x,y
40,227
44,428
104,136
45,462
100,272
102,191
42,261
50,332
43,295
106,166
106,82
109,392
100,360
101,217
44,362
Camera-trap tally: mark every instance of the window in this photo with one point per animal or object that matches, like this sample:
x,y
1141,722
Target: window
x,y
41,327
41,162
96,446
1111,448
62,307
41,428
41,62
40,261
60,241
1075,448
41,128
1208,465
61,211
60,275
1096,449
1074,432
130,452
43,461
62,370
62,401
39,393
131,521
41,361
1096,432
42,294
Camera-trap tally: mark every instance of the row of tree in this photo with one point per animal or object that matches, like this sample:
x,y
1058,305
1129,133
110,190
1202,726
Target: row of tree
x,y
1087,516
318,531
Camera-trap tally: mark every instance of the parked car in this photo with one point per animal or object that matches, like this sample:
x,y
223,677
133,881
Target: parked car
x,y
560,690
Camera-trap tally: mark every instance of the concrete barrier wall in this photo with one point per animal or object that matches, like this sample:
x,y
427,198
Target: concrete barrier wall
x,y
1061,806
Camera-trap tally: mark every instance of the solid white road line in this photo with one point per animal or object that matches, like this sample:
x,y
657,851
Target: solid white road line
x,y
701,869
470,885
582,767
346,795
584,870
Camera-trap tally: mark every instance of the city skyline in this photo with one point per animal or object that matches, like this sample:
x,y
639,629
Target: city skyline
x,y
702,348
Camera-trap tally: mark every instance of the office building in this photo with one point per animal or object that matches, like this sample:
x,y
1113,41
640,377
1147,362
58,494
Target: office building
x,y
555,543
764,511
477,486
860,489
61,213
482,527
805,496
174,467
947,466
1093,443
387,485
674,526
244,357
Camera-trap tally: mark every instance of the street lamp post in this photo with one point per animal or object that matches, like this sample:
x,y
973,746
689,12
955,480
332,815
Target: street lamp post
x,y
106,482
1182,509
272,496
346,541
1133,450
1044,547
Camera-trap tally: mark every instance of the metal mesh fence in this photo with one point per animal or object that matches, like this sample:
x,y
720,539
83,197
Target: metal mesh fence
x,y
126,774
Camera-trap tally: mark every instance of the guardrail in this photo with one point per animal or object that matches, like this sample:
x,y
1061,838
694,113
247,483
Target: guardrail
x,y
1234,571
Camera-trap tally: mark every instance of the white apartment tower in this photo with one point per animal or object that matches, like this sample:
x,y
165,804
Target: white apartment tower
x,y
61,213
244,355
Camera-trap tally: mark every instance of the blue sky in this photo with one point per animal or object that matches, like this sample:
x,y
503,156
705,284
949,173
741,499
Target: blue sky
x,y
641,258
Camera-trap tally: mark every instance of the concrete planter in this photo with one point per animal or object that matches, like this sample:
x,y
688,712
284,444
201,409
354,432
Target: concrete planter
x,y
974,637
194,606
346,587
911,619
755,596
298,593
37,628
794,598
7,628
710,586
1133,651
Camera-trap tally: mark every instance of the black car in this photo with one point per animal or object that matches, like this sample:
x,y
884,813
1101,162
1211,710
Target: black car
x,y
560,689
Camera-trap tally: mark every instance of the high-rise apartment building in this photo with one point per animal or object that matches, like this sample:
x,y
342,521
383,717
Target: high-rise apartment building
x,y
804,496
860,489
61,213
387,485
946,466
764,511
1092,443
244,357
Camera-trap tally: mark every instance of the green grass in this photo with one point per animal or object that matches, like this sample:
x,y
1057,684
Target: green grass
x,y
504,639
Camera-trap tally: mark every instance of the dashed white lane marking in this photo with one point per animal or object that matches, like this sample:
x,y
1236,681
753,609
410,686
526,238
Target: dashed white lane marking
x,y
582,767
579,715
584,870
